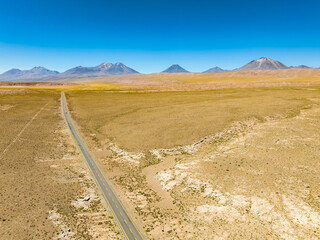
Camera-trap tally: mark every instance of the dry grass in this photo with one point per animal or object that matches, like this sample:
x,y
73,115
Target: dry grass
x,y
206,81
144,121
259,183
41,173
254,178
240,185
181,81
28,191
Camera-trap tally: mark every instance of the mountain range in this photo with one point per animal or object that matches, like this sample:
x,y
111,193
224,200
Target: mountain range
x,y
41,73
108,69
102,69
300,66
36,72
262,63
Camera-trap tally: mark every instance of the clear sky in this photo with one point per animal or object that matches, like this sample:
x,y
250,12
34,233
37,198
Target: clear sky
x,y
151,35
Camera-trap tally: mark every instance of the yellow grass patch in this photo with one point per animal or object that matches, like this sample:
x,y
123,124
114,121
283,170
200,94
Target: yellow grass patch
x,y
143,121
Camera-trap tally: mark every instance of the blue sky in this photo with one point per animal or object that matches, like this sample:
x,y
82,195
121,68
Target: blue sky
x,y
151,35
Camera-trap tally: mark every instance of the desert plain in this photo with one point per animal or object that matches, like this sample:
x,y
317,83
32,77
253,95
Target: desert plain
x,y
192,156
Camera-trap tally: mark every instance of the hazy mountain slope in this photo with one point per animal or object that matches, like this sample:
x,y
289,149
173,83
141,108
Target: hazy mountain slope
x,y
34,73
102,69
300,66
43,74
175,68
80,70
215,70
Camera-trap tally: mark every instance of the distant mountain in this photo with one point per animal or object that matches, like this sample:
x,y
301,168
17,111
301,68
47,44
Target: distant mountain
x,y
215,70
34,73
116,69
11,73
102,69
175,68
80,70
263,64
43,74
300,66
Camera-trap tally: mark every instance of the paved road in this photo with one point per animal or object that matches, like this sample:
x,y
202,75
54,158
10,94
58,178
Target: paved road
x,y
121,216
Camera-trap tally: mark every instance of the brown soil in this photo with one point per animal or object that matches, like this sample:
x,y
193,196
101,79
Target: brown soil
x,y
244,181
42,174
150,173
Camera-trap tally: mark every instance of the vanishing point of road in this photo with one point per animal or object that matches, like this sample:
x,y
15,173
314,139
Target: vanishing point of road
x,y
123,219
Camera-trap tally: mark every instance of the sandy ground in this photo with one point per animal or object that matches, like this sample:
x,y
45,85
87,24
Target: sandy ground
x,y
229,165
45,189
255,179
153,183
261,184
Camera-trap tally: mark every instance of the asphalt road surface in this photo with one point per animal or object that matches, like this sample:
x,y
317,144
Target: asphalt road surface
x,y
123,219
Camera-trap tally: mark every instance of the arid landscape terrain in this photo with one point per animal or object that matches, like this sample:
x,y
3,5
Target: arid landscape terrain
x,y
192,156
46,190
